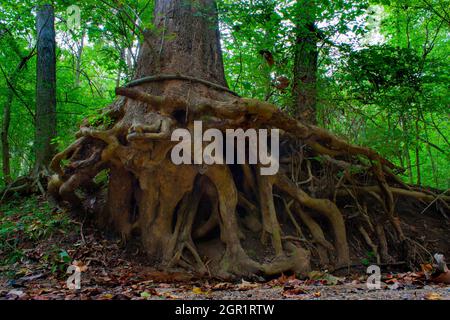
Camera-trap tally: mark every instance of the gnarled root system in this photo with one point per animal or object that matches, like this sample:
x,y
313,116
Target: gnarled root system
x,y
328,197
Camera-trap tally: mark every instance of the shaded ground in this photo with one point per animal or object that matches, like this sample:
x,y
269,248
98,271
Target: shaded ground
x,y
124,284
143,290
111,272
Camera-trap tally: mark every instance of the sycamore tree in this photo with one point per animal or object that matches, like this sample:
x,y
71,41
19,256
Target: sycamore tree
x,y
226,219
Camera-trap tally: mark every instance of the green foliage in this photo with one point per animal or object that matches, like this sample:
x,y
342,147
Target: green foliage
x,y
25,221
382,82
393,96
381,68
105,49
369,259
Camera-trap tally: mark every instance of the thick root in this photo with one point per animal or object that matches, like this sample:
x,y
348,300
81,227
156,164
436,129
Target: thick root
x,y
202,218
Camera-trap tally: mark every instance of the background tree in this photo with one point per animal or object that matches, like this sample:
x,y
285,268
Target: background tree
x,y
306,62
45,87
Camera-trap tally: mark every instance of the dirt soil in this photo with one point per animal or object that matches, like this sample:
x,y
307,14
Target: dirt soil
x,y
110,272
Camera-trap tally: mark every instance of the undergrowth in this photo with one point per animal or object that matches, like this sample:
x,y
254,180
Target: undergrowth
x,y
24,223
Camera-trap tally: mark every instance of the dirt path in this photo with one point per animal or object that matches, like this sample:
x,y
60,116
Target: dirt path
x,y
56,290
110,272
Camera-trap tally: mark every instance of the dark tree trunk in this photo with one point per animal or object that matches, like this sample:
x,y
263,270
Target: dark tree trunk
x,y
45,87
305,64
186,42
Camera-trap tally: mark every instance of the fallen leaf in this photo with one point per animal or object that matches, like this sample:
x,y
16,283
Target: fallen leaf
x,y
391,280
42,298
80,264
433,296
198,290
31,278
315,275
222,286
395,286
294,292
442,278
107,296
23,271
325,278
427,269
332,280
288,282
168,295
245,285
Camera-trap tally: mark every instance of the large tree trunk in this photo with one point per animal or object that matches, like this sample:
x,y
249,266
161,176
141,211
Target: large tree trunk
x,y
45,87
186,42
305,64
221,219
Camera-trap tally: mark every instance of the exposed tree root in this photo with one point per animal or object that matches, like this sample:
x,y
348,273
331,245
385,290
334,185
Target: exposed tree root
x,y
327,190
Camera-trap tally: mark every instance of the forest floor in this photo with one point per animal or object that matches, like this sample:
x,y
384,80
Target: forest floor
x,y
38,244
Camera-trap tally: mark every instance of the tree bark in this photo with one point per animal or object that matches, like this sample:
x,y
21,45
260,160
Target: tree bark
x,y
305,64
187,42
45,87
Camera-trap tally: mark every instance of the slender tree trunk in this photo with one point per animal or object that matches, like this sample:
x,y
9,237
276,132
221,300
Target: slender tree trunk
x,y
417,154
305,65
121,60
79,60
404,125
409,164
45,87
430,153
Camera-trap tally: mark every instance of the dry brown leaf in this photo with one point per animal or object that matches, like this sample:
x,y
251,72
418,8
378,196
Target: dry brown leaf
x,y
294,292
433,296
222,286
442,278
81,265
245,285
427,269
